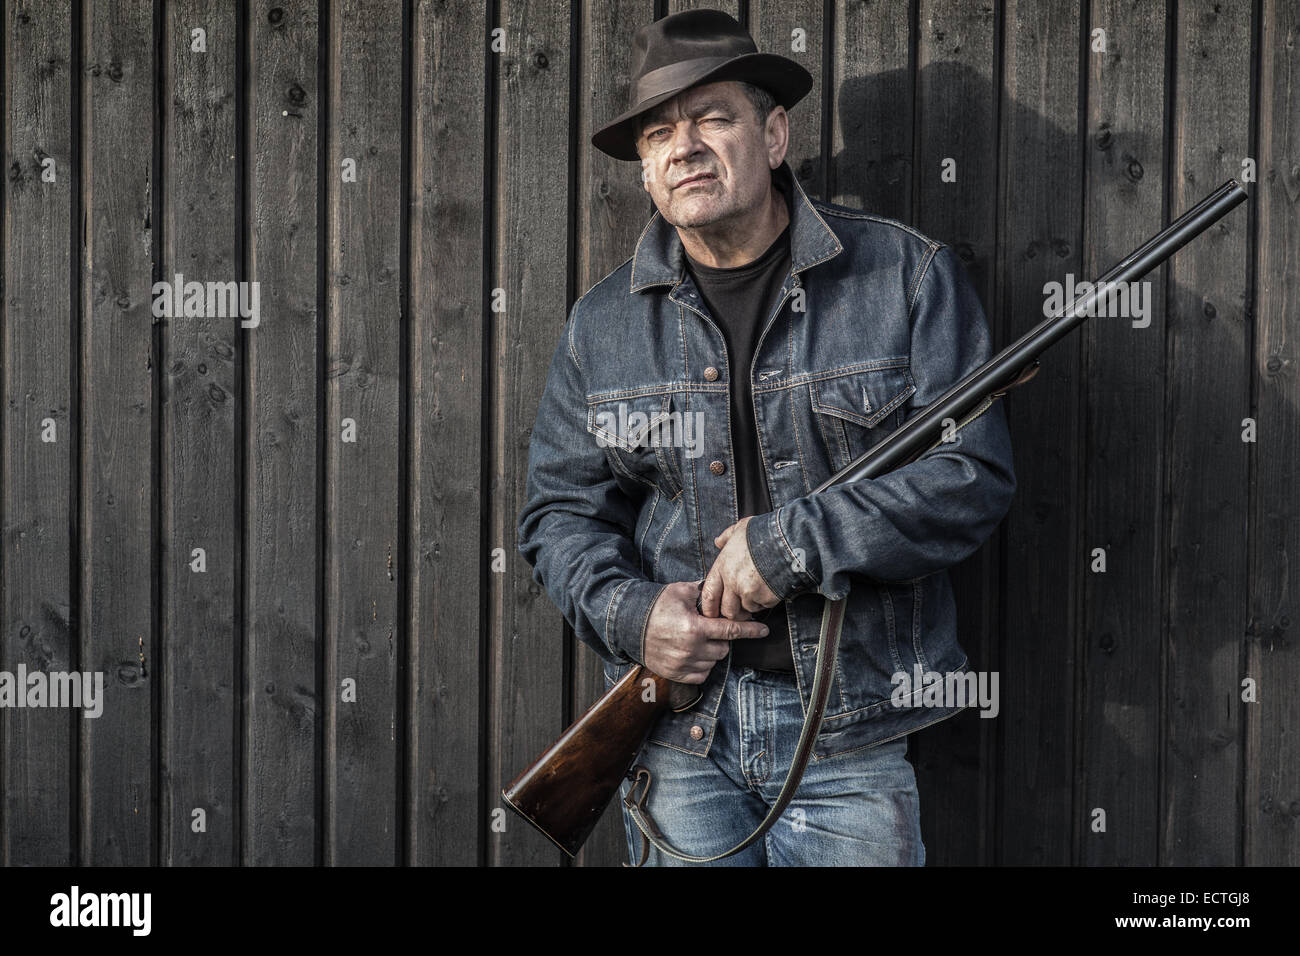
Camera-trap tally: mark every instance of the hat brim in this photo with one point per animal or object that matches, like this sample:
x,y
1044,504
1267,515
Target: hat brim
x,y
786,80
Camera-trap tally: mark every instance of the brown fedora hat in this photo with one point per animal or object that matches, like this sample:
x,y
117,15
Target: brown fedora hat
x,y
689,48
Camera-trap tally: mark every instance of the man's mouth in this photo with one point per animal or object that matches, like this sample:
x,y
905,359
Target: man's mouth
x,y
700,178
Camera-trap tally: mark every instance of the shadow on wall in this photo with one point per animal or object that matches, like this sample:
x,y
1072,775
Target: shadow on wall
x,y
874,171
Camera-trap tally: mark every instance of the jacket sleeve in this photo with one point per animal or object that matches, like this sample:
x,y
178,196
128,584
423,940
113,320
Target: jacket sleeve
x,y
577,526
926,515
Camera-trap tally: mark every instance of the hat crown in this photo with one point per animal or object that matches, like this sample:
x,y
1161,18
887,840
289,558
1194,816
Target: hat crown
x,y
677,52
689,35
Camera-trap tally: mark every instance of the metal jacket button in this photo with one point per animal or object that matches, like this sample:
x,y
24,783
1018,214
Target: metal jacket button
x,y
717,467
697,732
711,373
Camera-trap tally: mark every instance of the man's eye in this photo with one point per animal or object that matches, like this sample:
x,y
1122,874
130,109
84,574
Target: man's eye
x,y
655,133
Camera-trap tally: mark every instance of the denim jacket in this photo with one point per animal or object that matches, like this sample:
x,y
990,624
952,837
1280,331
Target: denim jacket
x,y
631,474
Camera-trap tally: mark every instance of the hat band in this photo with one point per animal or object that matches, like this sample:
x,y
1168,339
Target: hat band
x,y
675,76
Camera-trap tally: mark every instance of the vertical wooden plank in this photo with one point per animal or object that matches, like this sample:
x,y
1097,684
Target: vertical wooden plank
x,y
117,595
870,166
612,209
362,436
1124,376
446,309
956,111
1208,395
38,432
199,438
530,264
283,708
793,28
1040,191
1272,773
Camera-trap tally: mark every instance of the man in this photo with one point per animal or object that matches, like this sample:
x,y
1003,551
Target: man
x,y
754,344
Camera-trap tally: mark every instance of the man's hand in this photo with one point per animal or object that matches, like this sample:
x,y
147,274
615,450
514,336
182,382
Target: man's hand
x,y
733,586
681,644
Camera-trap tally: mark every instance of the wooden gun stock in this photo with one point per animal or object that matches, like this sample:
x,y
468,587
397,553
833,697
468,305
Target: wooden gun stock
x,y
566,789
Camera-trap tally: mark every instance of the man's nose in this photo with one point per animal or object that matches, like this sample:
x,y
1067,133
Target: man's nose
x,y
686,142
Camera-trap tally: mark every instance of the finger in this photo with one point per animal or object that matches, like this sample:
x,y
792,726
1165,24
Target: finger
x,y
721,539
731,604
720,628
714,650
711,593
739,614
696,672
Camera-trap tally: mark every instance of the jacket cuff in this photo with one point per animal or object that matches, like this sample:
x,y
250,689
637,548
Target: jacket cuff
x,y
784,571
627,617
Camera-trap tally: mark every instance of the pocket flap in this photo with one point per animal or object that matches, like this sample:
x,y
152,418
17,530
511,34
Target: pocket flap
x,y
863,397
628,423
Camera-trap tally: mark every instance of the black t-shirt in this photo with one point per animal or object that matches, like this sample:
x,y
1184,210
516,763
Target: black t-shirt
x,y
740,300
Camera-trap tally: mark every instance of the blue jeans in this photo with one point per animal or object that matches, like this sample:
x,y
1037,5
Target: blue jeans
x,y
853,809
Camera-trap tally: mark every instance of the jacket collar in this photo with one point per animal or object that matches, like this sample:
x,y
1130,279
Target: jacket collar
x,y
659,259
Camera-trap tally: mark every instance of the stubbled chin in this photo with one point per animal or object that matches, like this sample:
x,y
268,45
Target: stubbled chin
x,y
693,212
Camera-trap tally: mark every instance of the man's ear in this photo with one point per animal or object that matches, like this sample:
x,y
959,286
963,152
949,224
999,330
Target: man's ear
x,y
776,132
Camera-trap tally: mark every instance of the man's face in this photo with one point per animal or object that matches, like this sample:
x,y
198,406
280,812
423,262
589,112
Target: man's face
x,y
706,158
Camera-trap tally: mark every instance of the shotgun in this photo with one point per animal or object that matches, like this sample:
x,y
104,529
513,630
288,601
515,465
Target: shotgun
x,y
564,792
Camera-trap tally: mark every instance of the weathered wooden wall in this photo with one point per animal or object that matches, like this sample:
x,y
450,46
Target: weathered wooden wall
x,y
129,441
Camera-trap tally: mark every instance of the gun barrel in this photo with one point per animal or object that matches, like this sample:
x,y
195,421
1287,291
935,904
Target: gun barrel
x,y
917,435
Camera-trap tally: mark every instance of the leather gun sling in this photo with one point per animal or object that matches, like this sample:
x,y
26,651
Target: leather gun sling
x,y
827,649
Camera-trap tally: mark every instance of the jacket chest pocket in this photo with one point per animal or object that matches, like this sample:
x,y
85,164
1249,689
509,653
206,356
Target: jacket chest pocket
x,y
639,435
855,409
